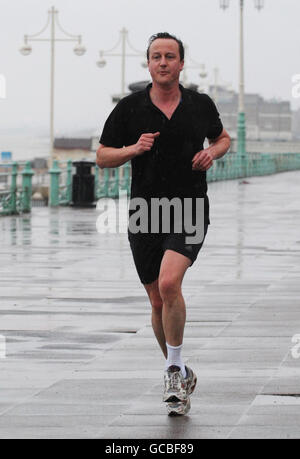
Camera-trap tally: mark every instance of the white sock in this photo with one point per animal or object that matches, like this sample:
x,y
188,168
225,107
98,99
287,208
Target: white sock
x,y
174,358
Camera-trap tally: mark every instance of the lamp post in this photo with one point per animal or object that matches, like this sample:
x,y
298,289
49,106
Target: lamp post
x,y
123,40
241,125
26,49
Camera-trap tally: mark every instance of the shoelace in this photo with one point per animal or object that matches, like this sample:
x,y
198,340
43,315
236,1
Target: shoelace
x,y
174,381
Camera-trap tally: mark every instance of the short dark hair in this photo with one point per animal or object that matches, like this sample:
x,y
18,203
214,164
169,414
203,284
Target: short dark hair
x,y
169,36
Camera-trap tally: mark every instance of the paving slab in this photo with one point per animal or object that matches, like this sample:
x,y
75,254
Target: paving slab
x,y
81,360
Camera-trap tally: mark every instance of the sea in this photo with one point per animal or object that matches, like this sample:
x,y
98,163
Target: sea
x,y
26,146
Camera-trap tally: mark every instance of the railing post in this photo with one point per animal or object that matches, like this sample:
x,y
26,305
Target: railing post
x,y
261,165
127,177
13,188
96,182
54,184
27,174
69,180
209,174
113,190
106,182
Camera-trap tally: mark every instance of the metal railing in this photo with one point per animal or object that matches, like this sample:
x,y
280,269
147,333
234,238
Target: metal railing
x,y
231,166
108,182
15,194
60,183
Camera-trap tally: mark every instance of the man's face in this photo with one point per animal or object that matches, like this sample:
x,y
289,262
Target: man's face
x,y
164,61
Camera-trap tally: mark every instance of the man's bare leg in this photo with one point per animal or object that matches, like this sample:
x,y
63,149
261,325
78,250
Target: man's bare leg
x,y
168,321
177,389
168,315
157,307
173,268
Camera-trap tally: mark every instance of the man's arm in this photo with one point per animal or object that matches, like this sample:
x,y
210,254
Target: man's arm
x,y
219,146
115,157
203,160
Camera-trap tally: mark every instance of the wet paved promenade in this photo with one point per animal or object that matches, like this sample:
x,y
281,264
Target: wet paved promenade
x,y
81,358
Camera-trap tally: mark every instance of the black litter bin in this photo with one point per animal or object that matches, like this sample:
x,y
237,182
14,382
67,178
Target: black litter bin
x,y
83,184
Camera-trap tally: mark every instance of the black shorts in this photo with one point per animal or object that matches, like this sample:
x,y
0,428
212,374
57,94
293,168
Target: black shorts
x,y
148,250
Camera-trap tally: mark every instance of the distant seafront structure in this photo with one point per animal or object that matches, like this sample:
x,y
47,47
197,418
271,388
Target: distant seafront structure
x,y
272,126
267,120
73,148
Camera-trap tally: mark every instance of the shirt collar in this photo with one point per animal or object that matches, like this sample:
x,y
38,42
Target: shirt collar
x,y
184,95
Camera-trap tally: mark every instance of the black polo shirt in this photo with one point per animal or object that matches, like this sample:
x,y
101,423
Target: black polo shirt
x,y
165,170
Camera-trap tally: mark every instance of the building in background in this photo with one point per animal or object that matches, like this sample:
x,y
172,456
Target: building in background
x,y
269,120
296,125
271,125
73,148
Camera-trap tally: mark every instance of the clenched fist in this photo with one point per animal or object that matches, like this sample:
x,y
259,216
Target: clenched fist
x,y
145,142
203,160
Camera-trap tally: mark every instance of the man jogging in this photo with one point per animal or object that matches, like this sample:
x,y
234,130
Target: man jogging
x,y
161,130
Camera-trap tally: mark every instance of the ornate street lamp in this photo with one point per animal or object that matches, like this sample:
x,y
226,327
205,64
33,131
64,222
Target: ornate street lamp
x,y
26,49
241,126
123,40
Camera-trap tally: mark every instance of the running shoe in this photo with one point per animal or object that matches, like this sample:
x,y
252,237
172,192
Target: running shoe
x,y
191,380
177,388
179,408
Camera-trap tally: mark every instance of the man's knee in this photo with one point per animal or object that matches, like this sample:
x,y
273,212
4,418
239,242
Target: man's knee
x,y
169,287
157,305
154,297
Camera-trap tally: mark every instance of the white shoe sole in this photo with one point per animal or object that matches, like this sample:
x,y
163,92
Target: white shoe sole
x,y
178,408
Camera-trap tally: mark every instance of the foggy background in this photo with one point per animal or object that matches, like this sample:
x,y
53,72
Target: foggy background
x,y
83,91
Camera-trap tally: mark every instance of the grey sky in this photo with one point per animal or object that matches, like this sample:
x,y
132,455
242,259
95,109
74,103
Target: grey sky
x,y
83,91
